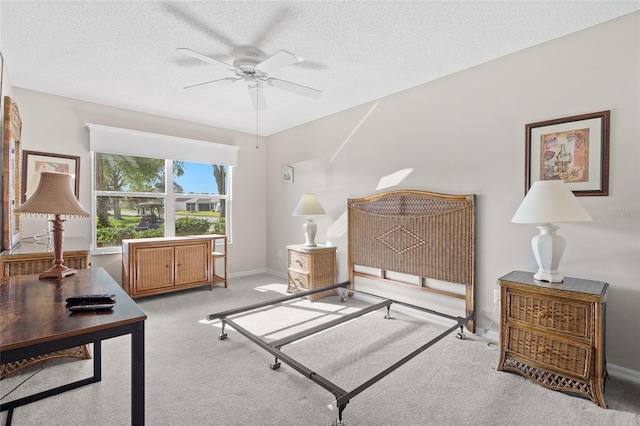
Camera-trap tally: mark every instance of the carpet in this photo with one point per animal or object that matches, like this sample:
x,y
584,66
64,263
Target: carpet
x,y
192,378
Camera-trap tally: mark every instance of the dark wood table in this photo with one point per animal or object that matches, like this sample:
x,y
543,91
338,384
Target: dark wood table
x,y
34,320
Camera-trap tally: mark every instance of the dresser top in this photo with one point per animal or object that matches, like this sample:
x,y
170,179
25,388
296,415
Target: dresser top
x,y
577,285
70,244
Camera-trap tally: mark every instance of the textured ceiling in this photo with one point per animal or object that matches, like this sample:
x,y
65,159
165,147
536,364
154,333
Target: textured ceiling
x,y
124,53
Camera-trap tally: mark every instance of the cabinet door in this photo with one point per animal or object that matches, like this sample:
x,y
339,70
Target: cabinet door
x,y
193,263
154,268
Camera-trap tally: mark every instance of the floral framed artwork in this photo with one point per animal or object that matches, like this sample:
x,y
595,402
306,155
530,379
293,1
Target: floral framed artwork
x,y
35,162
287,175
573,149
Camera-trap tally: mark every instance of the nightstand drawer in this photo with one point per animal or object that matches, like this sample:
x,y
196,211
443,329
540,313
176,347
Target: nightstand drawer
x,y
299,281
299,260
570,317
555,354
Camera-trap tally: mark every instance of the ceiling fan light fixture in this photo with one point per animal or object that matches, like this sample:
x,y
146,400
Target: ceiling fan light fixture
x,y
249,68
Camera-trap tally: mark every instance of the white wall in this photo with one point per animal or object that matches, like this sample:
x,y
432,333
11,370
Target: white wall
x,y
57,124
465,134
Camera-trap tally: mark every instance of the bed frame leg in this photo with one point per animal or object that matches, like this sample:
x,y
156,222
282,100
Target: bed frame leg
x,y
340,420
223,335
275,364
343,293
388,315
460,334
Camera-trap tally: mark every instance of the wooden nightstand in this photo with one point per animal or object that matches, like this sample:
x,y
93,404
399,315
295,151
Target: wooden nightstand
x,y
312,268
554,333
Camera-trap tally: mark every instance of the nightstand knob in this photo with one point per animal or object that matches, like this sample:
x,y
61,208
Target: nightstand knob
x,y
543,314
542,350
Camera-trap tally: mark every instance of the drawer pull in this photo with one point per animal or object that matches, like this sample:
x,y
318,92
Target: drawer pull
x,y
542,350
543,314
299,262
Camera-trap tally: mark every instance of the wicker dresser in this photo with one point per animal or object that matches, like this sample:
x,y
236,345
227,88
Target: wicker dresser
x,y
312,268
30,258
553,333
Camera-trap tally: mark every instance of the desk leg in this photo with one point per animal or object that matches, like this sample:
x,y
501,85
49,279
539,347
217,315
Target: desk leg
x,y
97,360
137,375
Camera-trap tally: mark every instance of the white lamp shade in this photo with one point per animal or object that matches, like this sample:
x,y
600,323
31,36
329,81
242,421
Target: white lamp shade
x,y
309,205
550,201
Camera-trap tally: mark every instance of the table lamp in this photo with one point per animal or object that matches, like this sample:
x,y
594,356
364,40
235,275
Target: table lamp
x,y
546,202
309,206
54,196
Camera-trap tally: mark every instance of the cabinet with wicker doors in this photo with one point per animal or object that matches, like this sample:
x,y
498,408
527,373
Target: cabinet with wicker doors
x,y
310,269
160,265
554,333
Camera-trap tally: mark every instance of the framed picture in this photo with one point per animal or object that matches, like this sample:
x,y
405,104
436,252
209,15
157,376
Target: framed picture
x,y
11,169
35,163
287,175
573,149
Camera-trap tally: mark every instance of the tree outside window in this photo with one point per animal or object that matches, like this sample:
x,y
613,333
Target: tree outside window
x,y
132,202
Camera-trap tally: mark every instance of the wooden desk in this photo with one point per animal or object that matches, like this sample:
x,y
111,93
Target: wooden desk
x,y
35,320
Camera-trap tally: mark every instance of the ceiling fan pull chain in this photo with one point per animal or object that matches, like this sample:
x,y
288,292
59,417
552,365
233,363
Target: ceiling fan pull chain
x,y
257,113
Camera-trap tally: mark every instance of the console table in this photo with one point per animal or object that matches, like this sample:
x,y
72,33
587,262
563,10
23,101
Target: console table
x,y
28,330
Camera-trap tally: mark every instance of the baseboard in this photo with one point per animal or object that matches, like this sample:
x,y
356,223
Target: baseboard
x,y
276,273
247,273
623,373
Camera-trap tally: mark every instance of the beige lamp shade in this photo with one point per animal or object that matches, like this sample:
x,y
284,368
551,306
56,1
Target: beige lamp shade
x,y
309,205
54,195
550,201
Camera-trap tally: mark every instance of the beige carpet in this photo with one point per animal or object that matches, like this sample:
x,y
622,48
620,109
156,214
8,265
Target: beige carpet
x,y
192,378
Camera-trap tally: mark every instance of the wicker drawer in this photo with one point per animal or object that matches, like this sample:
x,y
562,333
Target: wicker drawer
x,y
569,317
561,356
299,260
298,281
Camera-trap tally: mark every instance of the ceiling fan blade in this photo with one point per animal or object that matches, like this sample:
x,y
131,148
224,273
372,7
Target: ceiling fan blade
x,y
257,97
204,58
214,82
295,88
276,61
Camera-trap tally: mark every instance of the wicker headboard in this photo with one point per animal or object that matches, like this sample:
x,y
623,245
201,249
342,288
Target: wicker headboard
x,y
424,234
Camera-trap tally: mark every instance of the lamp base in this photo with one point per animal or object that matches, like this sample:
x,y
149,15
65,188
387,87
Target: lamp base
x,y
58,271
548,276
548,248
310,228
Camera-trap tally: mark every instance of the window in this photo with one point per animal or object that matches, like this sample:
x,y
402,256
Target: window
x,y
135,196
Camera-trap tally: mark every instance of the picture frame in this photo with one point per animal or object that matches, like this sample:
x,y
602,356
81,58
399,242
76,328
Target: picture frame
x,y
11,172
574,149
35,162
287,175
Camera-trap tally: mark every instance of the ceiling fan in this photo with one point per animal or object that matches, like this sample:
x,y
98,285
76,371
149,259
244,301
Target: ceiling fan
x,y
251,69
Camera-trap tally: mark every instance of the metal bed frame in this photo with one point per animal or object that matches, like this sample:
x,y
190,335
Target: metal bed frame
x,y
341,395
419,233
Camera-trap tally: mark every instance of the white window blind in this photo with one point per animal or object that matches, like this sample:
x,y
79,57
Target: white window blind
x,y
115,140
